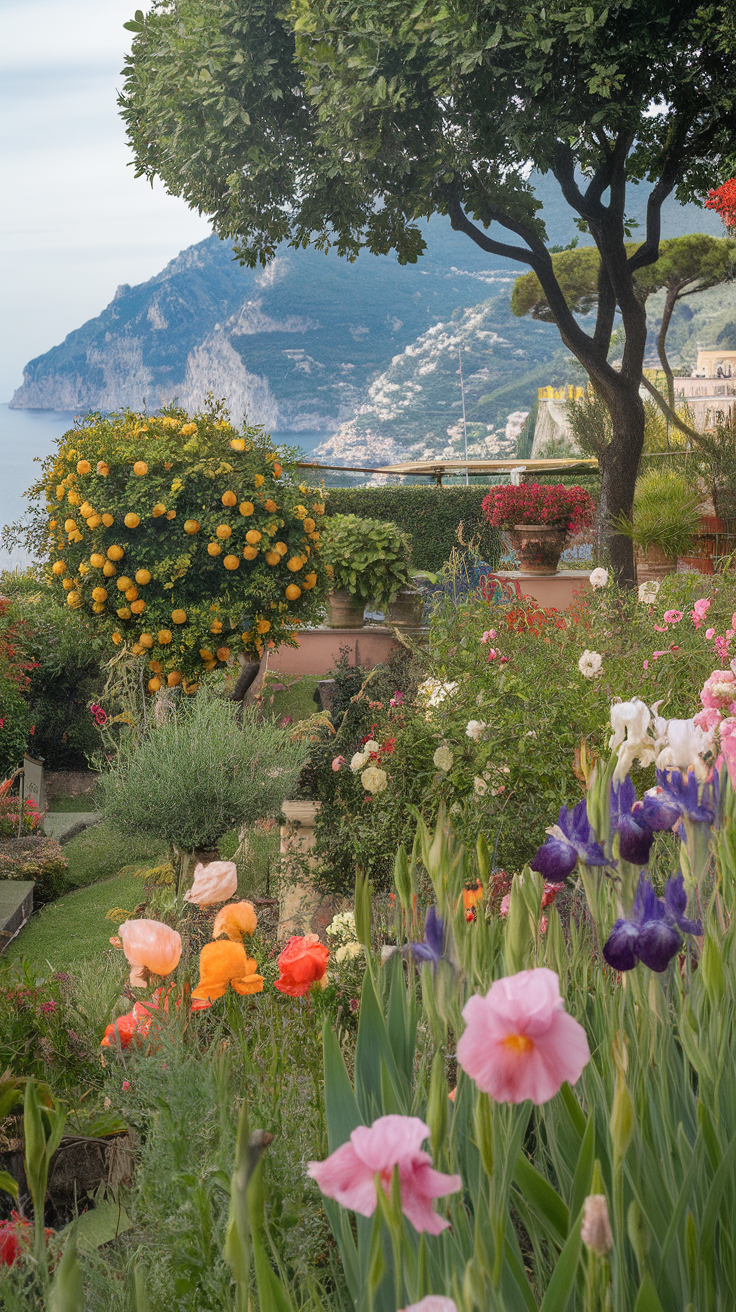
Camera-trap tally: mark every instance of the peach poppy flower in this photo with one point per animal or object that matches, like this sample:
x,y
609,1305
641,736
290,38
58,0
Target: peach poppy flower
x,y
235,920
215,882
226,963
302,963
151,947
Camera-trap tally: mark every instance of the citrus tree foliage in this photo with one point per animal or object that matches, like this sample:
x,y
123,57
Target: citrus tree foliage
x,y
344,121
187,539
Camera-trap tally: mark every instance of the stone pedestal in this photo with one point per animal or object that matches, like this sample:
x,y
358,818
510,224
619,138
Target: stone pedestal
x,y
302,908
558,590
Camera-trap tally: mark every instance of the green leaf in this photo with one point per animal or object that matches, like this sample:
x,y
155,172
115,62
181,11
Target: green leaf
x,y
540,1196
272,1296
647,1299
562,1279
66,1291
8,1184
342,1114
584,1168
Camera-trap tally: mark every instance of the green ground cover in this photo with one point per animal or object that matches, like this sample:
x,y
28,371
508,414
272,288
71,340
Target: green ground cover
x,y
294,698
74,929
101,851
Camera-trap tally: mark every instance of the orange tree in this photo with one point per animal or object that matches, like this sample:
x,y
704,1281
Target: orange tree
x,y
187,539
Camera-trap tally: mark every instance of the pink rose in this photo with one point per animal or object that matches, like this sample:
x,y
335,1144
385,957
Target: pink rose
x,y
672,616
338,761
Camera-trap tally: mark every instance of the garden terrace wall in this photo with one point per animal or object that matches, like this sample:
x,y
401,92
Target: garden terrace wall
x,y
431,515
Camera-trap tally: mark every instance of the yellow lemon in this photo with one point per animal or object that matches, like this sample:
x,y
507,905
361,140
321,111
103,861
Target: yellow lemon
x,y
58,567
146,640
229,499
253,536
99,594
250,553
231,562
179,616
115,553
131,520
191,526
164,636
173,679
273,558
143,576
293,591
214,548
84,467
140,468
108,520
223,653
246,508
309,581
158,509
109,570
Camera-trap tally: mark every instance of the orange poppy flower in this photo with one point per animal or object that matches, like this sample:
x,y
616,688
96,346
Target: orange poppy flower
x,y
226,963
302,963
235,920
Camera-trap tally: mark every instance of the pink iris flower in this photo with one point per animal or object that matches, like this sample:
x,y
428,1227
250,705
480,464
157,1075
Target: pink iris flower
x,y
349,1174
519,1042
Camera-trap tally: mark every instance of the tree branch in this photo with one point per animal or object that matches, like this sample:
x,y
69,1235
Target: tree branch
x,y
673,417
461,223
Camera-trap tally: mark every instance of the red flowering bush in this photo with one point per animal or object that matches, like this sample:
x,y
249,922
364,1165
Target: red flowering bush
x,y
723,201
9,817
557,506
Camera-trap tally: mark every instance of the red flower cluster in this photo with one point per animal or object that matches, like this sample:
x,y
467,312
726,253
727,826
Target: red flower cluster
x,y
100,716
533,619
557,506
15,1238
723,201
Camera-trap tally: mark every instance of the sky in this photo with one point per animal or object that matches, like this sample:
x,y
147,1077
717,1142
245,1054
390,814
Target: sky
x,y
74,221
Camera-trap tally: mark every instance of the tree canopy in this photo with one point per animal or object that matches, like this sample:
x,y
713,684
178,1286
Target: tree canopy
x,y
343,123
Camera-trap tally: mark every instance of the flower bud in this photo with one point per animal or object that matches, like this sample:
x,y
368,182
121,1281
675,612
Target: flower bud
x,y
621,1124
595,1231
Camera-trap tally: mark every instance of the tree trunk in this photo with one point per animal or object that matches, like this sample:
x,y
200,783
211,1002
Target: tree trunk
x,y
620,465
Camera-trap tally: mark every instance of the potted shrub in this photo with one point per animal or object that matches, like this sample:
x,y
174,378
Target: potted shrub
x,y
538,520
368,560
664,523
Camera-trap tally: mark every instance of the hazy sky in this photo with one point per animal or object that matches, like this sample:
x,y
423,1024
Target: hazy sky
x,y
75,221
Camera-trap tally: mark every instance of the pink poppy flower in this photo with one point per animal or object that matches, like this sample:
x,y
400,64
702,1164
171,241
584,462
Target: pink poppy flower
x,y
338,761
348,1174
661,628
433,1303
215,882
519,1042
492,654
646,665
672,616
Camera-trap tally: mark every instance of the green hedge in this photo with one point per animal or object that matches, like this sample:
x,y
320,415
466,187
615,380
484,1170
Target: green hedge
x,y
431,515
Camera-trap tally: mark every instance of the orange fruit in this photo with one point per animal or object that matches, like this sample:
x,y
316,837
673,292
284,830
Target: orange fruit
x,y
98,607
173,679
276,469
154,684
206,654
231,562
146,640
223,531
294,564
229,499
250,553
109,570
293,591
108,520
309,581
253,536
190,525
143,576
214,548
131,520
99,594
171,514
237,444
179,616
60,491
223,653
246,508
152,665
164,636
136,649
58,567
117,638
140,468
281,547
69,525
259,480
115,553
123,612
67,584
137,607
270,506
131,594
263,626
309,525
273,558
158,509
94,521
83,467
103,469
124,583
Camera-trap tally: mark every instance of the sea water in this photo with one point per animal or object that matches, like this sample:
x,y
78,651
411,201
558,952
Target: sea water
x,y
28,436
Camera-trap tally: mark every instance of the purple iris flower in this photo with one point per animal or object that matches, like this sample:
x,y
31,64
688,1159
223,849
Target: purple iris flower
x,y
570,840
658,809
433,947
635,836
686,794
652,934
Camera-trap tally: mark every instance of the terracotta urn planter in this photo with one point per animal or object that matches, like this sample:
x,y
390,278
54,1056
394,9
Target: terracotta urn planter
x,y
407,609
538,546
345,610
653,565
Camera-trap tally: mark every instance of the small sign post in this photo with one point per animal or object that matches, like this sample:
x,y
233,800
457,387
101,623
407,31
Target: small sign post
x,y
33,787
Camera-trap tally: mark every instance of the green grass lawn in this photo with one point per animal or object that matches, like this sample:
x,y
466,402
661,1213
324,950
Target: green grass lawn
x,y
74,928
101,851
79,802
295,700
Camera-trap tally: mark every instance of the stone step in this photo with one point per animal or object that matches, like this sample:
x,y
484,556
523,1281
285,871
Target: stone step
x,y
63,825
16,905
